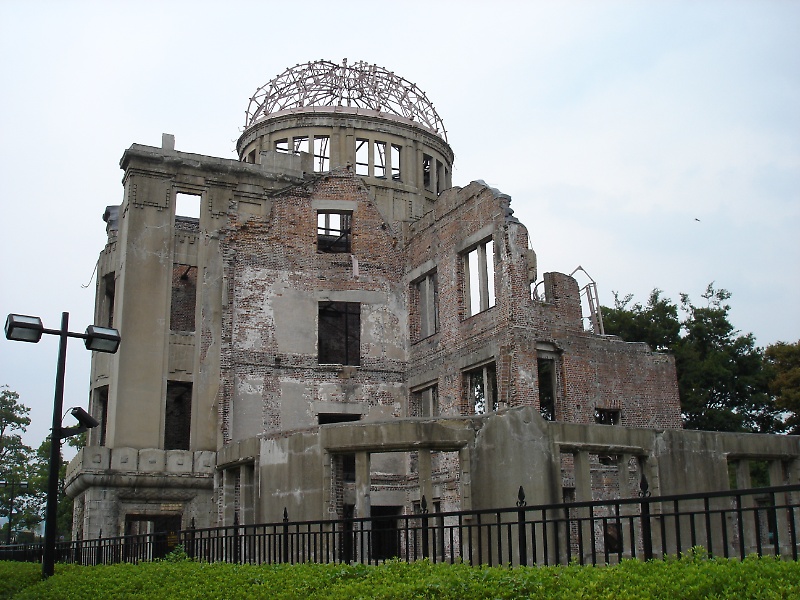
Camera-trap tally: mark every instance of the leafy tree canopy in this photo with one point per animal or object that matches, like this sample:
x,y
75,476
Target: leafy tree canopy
x,y
722,379
784,362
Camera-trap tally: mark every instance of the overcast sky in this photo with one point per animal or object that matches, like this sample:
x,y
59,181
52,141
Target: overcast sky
x,y
614,126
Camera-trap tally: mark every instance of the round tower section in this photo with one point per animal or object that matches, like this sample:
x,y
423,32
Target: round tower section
x,y
353,116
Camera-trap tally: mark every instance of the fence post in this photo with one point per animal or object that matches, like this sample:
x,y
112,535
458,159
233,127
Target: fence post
x,y
523,539
98,552
191,550
236,537
424,512
285,535
647,535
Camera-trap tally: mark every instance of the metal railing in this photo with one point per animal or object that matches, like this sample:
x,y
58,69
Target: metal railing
x,y
763,521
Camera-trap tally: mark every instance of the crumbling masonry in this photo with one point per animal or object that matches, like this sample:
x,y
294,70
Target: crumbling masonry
x,y
339,331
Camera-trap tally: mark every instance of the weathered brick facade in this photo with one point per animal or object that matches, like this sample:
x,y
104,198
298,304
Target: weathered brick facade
x,y
342,331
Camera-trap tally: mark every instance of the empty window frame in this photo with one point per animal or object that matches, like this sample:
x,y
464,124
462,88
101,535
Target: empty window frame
x,y
322,154
339,333
107,307
481,385
426,302
395,162
100,412
334,231
282,146
187,206
547,387
479,278
606,416
425,402
184,298
379,158
300,144
251,157
177,415
362,156
427,180
440,179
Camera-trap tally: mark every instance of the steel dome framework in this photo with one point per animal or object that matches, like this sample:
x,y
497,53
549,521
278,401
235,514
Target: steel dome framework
x,y
361,85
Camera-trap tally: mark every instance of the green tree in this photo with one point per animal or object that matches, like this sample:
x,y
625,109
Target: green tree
x,y
722,379
784,362
15,464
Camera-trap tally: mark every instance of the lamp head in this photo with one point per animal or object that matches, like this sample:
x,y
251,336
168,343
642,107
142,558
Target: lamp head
x,y
102,339
23,328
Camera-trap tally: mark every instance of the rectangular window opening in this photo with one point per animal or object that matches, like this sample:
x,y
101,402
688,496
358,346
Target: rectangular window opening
x,y
187,206
547,387
427,161
109,292
440,181
425,402
481,385
339,333
426,292
184,298
396,162
322,154
334,231
479,294
606,416
362,156
300,144
282,146
100,412
178,415
380,159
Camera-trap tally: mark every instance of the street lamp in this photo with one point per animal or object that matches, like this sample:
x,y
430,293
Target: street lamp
x,y
14,485
25,328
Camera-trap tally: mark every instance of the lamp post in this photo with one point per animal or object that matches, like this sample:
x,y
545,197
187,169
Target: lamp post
x,y
14,485
24,328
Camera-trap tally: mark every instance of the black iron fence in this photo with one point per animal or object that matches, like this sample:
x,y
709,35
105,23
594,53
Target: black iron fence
x,y
763,521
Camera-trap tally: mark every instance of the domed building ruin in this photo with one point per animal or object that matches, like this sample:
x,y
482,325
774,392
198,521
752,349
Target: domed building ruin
x,y
327,327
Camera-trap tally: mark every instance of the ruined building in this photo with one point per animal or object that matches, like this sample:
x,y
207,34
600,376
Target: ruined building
x,y
332,329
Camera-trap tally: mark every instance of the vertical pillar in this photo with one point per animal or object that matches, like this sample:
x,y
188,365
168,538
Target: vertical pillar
x,y
583,493
362,485
748,523
425,476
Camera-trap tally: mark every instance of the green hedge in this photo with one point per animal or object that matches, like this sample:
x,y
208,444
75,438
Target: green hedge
x,y
693,576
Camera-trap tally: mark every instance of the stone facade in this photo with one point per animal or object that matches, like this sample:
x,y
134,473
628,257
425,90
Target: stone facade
x,y
340,331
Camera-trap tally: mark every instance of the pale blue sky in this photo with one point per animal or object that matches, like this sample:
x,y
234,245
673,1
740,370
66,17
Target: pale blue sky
x,y
612,125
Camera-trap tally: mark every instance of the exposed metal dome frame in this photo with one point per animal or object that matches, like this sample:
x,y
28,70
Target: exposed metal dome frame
x,y
361,85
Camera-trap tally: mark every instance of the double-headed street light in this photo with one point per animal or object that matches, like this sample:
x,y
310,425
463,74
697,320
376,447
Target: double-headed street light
x,y
24,328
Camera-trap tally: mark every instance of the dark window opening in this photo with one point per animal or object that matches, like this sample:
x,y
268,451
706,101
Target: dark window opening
x,y
481,384
385,532
109,291
178,415
340,333
251,157
100,412
606,416
334,231
427,162
328,418
166,528
184,298
547,388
